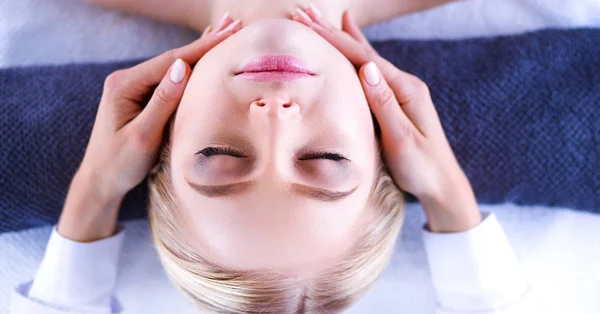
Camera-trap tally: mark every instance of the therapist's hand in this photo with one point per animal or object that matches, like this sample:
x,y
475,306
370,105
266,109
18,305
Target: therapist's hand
x,y
127,134
415,147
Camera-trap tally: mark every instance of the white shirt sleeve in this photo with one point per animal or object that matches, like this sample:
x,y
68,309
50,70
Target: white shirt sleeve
x,y
73,277
476,271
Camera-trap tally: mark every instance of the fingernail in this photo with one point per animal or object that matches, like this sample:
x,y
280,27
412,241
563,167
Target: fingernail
x,y
230,26
223,19
238,27
304,16
372,75
314,9
177,71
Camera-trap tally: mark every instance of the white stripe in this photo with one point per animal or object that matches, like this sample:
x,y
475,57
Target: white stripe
x,y
558,251
64,31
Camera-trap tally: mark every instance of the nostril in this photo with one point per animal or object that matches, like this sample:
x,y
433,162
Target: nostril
x,y
284,104
259,103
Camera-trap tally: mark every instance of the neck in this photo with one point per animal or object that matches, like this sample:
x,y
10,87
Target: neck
x,y
256,10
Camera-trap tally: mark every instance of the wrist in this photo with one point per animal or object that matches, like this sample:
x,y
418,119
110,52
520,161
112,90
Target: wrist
x,y
87,180
90,211
453,207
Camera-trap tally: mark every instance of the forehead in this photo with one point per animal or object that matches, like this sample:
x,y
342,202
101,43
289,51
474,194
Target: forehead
x,y
269,229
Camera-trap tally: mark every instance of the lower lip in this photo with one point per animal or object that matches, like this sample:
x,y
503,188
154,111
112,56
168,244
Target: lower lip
x,y
275,68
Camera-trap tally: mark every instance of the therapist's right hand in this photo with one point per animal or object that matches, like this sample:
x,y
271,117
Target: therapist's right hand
x,y
127,135
415,147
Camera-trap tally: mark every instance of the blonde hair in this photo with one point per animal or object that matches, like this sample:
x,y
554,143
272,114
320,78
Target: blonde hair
x,y
220,290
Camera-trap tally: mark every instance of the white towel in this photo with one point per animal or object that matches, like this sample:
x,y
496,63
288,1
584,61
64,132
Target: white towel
x,y
558,249
63,31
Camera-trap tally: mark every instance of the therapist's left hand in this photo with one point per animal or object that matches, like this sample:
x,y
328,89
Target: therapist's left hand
x,y
127,135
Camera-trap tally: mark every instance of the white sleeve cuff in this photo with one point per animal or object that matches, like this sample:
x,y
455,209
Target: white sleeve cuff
x,y
78,276
475,270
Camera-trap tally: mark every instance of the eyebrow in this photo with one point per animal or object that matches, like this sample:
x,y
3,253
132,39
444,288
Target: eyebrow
x,y
222,190
320,194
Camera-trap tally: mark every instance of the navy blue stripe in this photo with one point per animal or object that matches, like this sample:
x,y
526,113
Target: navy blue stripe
x,y
521,113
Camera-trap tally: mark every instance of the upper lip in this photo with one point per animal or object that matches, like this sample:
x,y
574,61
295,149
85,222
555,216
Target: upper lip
x,y
275,63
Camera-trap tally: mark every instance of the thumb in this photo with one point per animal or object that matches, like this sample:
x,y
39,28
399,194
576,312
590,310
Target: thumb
x,y
164,101
383,103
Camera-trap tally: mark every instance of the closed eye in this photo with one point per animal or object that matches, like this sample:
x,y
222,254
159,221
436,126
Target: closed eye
x,y
324,155
216,150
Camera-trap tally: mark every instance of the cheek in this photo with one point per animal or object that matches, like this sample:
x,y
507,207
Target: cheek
x,y
353,118
344,96
205,105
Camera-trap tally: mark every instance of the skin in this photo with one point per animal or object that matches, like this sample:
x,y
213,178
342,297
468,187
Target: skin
x,y
273,223
272,125
126,137
198,14
415,148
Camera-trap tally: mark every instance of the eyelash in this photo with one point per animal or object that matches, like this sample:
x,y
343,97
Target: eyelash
x,y
325,155
213,151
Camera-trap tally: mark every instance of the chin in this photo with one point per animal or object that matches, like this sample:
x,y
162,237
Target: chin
x,y
278,25
279,36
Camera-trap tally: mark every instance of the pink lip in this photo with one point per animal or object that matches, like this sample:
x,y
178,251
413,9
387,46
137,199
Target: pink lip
x,y
275,68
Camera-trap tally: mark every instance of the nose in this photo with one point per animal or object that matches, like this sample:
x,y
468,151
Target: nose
x,y
273,120
277,107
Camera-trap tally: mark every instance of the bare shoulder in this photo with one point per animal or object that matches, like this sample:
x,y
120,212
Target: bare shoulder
x,y
368,12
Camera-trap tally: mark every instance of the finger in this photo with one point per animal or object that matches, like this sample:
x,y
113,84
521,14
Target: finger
x,y
414,99
350,27
350,42
151,121
303,17
296,18
225,20
317,17
149,73
231,28
382,100
207,31
353,49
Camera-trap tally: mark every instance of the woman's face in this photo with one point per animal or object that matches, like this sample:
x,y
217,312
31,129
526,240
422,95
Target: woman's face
x,y
273,170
